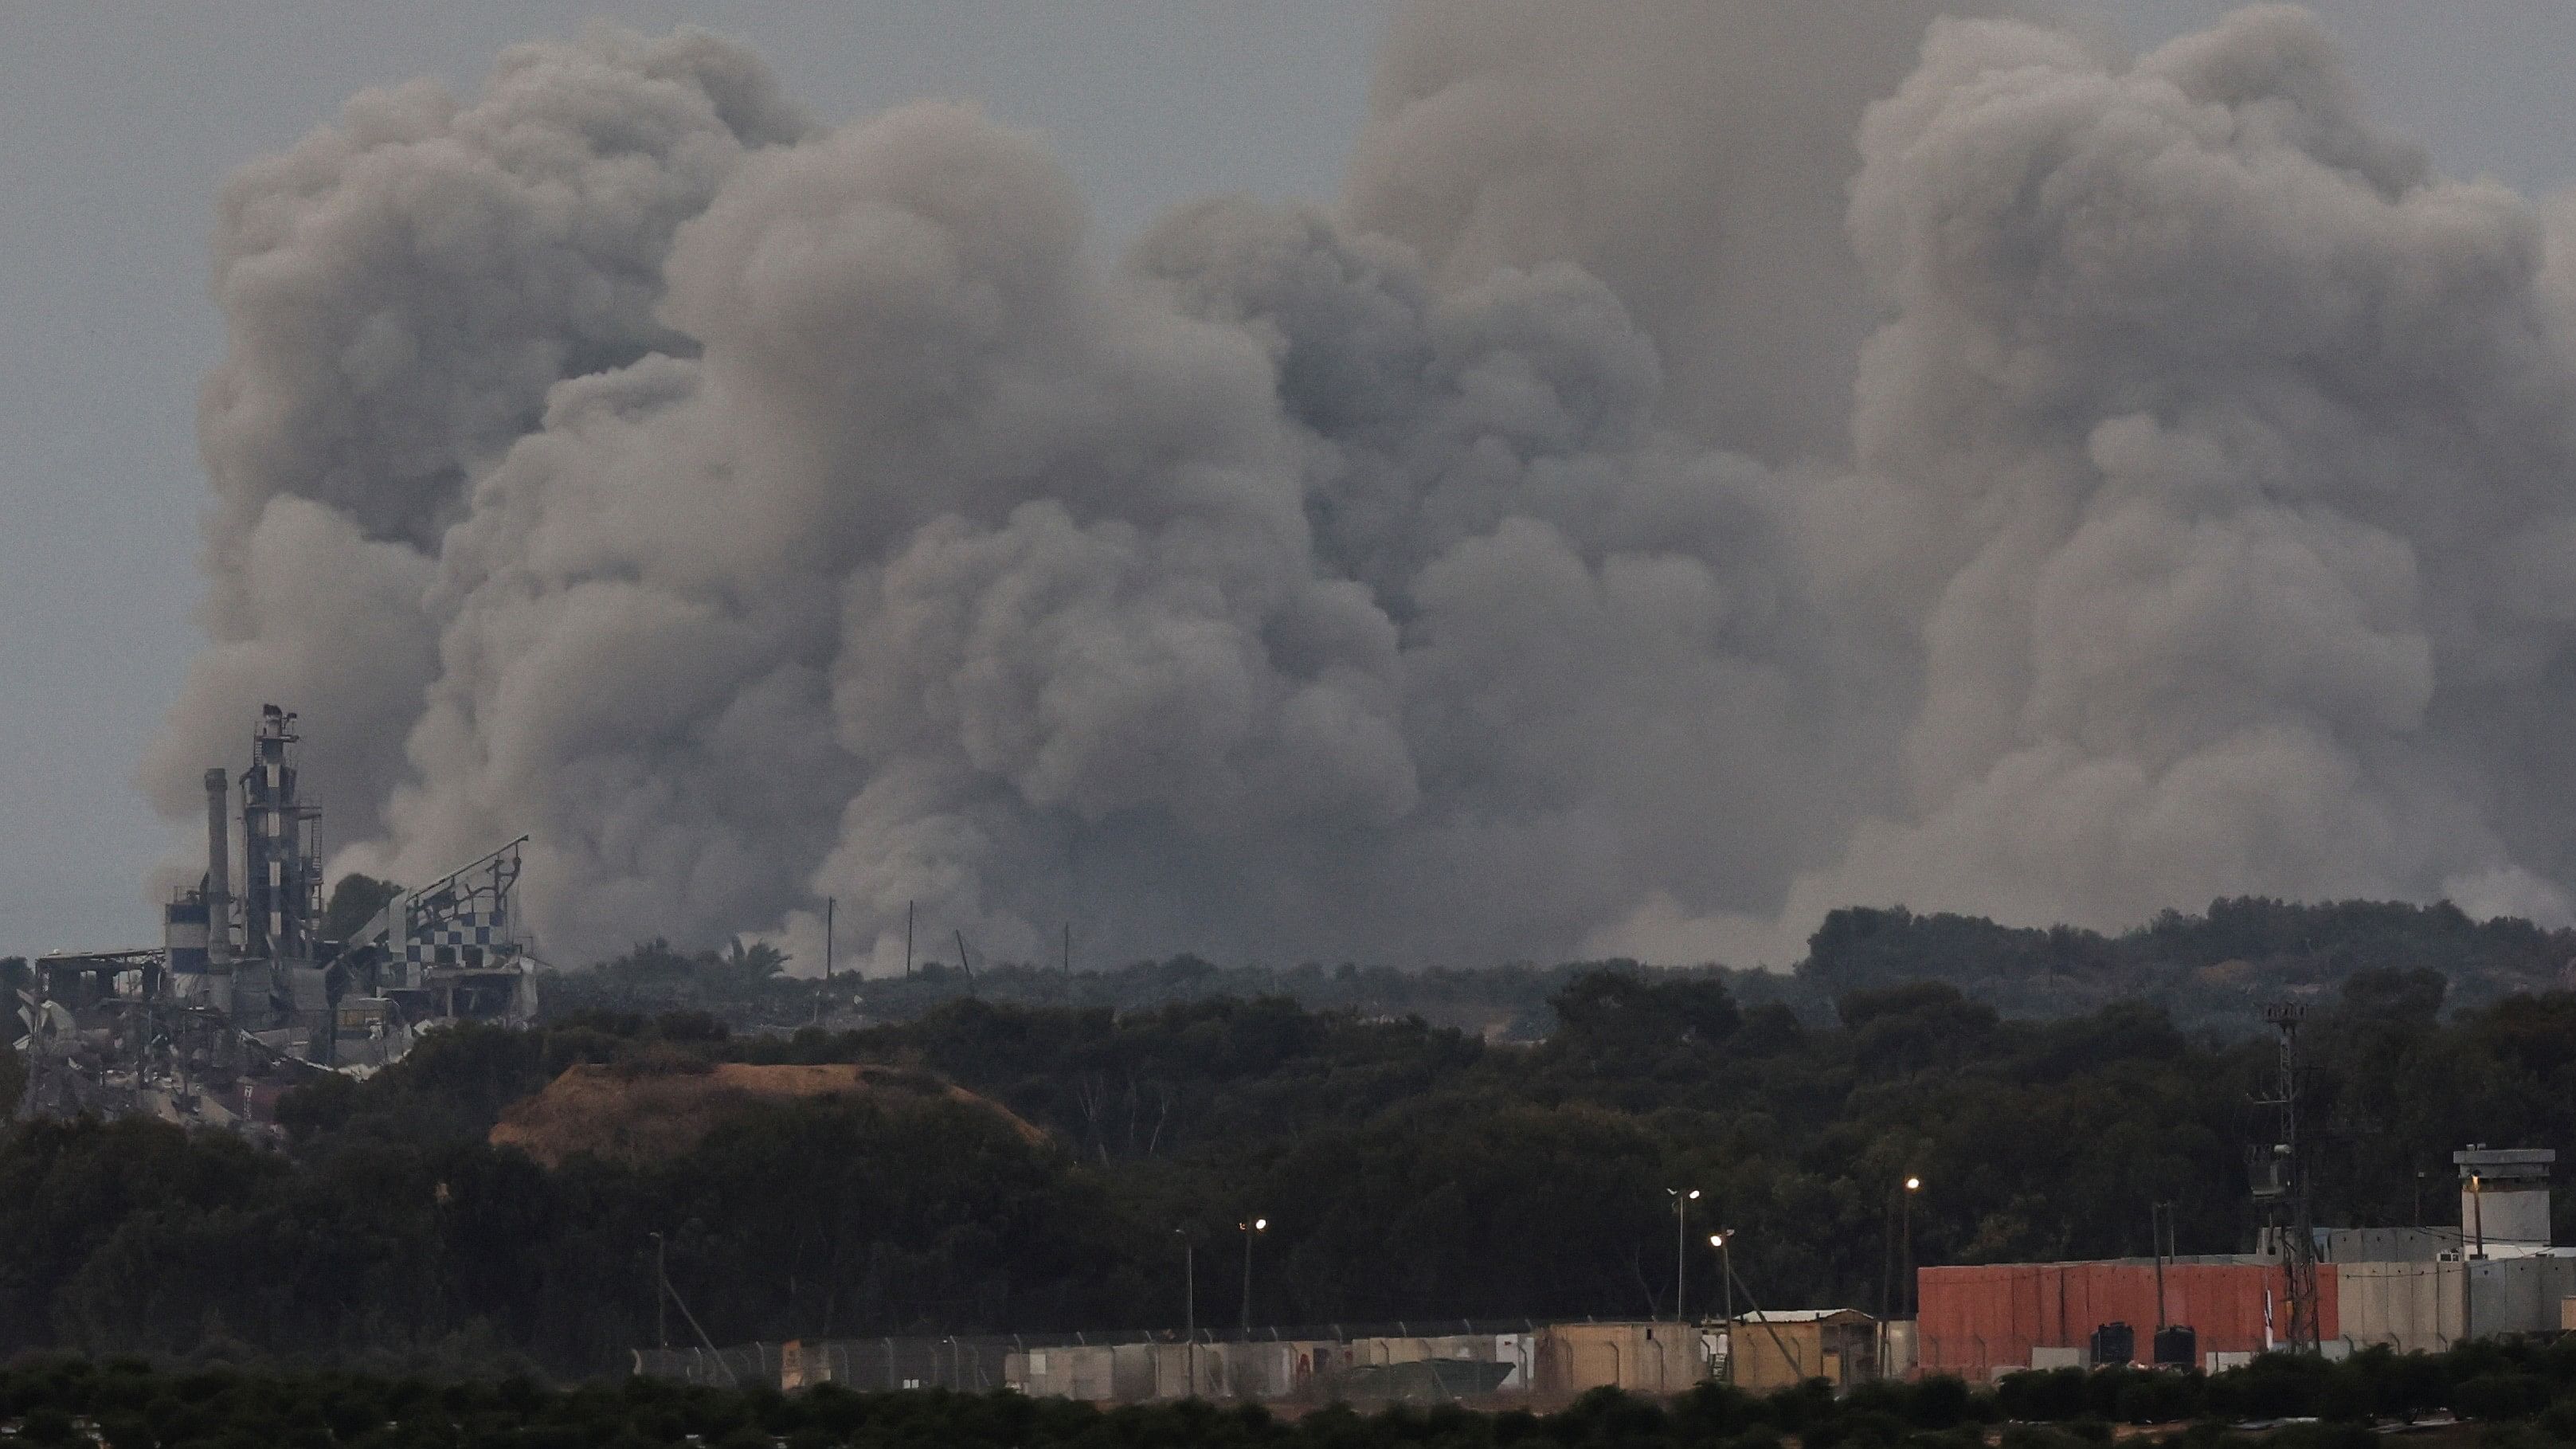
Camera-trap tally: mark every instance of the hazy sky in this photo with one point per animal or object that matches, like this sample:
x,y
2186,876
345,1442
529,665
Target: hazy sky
x,y
122,120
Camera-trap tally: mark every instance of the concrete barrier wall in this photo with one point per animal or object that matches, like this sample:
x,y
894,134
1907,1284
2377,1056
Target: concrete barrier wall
x,y
2426,1307
2410,1307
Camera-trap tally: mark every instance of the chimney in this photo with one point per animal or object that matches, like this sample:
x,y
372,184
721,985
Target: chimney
x,y
219,886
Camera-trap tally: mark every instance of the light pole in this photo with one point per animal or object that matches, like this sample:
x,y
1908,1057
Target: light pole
x,y
1913,1185
2160,1242
2478,1222
661,1291
1681,1254
1726,1275
1189,1308
1254,1226
2478,1213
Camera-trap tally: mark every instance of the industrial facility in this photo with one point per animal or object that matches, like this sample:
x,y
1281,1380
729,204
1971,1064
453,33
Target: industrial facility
x,y
245,997
2327,1291
1392,1363
2305,1289
2412,1289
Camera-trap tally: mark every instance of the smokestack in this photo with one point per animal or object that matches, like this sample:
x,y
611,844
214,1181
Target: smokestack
x,y
219,931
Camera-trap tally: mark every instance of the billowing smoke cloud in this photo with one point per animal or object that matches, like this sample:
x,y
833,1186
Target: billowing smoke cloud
x,y
2238,445
402,290
1542,551
1693,154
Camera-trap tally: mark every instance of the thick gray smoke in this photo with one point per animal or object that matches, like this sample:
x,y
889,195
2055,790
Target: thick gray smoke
x,y
1544,550
1692,154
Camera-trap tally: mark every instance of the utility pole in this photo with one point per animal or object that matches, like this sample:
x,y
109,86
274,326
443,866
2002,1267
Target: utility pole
x,y
1681,1249
907,940
2468,1274
1905,1216
828,903
1189,1307
1759,1316
2478,1214
661,1291
2156,1245
1249,1228
1724,1243
662,1280
1886,1263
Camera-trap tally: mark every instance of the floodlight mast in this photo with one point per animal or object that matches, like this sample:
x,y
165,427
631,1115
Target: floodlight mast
x,y
2281,1183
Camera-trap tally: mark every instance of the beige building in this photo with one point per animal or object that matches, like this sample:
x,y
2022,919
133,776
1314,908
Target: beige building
x,y
1641,1358
1778,1350
1551,1364
1130,1373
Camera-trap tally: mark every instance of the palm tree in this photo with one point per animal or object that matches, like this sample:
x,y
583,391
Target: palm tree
x,y
756,962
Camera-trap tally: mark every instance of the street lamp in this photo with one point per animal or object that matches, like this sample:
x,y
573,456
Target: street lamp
x,y
1255,1226
1681,1206
2478,1212
1189,1308
661,1290
1726,1273
1913,1185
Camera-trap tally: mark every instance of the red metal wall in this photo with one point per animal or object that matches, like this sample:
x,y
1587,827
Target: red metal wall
x,y
1978,1319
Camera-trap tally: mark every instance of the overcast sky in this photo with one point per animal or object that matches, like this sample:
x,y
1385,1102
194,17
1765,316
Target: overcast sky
x,y
121,120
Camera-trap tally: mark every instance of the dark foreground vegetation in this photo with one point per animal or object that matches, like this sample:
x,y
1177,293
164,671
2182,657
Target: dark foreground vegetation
x,y
1407,1172
2521,1395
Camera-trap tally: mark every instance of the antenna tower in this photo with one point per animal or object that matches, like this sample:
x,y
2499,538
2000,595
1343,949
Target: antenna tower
x,y
2280,1176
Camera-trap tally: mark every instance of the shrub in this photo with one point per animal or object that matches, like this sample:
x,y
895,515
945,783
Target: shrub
x,y
2042,1395
2501,1396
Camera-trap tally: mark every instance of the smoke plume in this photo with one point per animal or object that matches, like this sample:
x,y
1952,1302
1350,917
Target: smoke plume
x,y
1711,466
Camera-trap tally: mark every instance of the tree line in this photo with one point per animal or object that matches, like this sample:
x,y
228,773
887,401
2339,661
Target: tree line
x,y
2211,972
1407,1172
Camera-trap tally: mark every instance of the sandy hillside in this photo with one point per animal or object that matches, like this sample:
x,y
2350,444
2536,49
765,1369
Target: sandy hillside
x,y
625,1115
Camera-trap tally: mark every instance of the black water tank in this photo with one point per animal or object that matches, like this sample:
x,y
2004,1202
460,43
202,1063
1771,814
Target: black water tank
x,y
2177,1347
2115,1343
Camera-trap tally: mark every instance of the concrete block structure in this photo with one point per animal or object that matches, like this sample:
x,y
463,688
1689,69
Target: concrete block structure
x,y
1780,1350
1642,1358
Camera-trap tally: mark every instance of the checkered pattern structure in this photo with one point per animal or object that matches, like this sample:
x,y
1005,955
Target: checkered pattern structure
x,y
485,929
468,909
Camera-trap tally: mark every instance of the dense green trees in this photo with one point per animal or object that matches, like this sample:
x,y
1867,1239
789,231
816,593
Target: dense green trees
x,y
2210,972
1409,1172
355,899
2207,971
823,1217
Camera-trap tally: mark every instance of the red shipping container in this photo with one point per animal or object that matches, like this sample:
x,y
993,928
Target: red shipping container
x,y
1977,1321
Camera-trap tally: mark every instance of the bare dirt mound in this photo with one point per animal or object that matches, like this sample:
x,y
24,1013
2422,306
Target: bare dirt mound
x,y
648,1113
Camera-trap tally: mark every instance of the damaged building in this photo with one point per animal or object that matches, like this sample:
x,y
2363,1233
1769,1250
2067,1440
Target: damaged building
x,y
245,996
